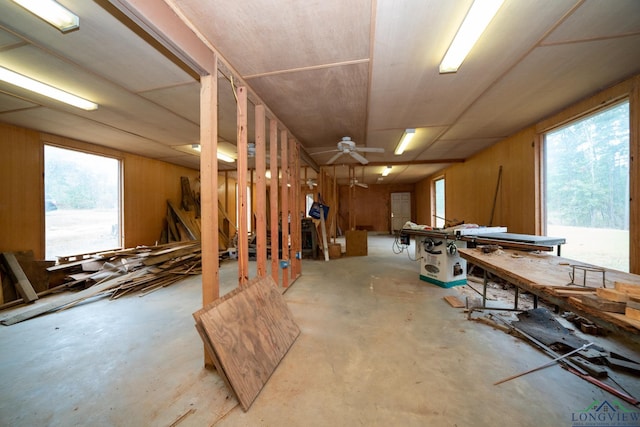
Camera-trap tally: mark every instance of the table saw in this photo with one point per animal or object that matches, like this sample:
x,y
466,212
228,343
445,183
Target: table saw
x,y
436,250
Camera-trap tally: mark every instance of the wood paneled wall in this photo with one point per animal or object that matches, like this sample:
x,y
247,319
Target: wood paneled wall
x,y
21,190
147,185
371,206
471,186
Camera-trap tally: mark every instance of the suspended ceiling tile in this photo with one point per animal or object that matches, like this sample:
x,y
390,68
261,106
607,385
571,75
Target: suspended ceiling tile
x,y
265,36
456,149
546,82
591,21
319,106
407,89
10,103
183,99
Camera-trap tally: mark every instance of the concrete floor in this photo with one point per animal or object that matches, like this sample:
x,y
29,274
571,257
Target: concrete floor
x,y
377,347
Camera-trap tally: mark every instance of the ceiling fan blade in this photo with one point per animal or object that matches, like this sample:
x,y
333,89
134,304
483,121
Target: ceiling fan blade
x,y
324,152
334,158
360,184
358,157
370,150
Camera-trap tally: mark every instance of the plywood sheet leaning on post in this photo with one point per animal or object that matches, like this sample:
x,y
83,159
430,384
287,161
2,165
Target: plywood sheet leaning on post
x,y
249,332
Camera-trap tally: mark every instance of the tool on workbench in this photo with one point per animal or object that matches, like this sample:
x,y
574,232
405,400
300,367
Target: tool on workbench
x,y
585,269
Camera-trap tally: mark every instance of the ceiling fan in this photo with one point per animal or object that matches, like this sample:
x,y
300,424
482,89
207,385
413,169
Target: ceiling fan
x,y
347,146
311,183
354,181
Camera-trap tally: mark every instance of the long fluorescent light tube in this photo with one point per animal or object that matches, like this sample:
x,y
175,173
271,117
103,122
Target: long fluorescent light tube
x,y
52,12
44,89
408,134
386,171
219,155
474,24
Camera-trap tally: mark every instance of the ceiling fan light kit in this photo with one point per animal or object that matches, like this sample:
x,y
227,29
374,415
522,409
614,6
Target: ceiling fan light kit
x,y
348,146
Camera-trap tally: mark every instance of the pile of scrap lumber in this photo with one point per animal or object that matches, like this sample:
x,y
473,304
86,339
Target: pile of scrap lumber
x,y
623,299
143,269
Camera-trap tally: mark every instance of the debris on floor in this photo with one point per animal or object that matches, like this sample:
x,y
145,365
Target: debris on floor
x,y
143,269
595,364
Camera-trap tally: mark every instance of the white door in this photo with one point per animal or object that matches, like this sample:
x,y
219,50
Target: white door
x,y
400,210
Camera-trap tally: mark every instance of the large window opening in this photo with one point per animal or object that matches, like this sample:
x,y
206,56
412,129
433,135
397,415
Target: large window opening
x,y
439,203
82,202
587,187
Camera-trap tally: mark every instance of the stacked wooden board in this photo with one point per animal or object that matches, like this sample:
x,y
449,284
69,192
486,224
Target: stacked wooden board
x,y
247,333
142,269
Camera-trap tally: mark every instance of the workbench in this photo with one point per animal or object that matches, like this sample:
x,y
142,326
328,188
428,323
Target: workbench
x,y
539,273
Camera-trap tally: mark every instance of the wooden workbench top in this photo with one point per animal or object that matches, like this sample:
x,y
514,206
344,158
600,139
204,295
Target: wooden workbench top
x,y
544,274
542,269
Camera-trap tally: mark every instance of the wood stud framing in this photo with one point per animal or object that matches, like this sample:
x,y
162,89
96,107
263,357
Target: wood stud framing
x,y
261,192
209,187
285,204
243,232
273,198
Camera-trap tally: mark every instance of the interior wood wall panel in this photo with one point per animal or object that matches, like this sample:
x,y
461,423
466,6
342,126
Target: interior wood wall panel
x,y
21,191
423,202
147,184
371,206
470,187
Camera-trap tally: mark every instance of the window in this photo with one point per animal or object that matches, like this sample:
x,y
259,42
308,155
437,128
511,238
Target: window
x,y
587,187
82,202
438,207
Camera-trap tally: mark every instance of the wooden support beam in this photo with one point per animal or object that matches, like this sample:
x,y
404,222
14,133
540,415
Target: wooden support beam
x,y
273,198
284,156
209,191
296,230
261,192
243,231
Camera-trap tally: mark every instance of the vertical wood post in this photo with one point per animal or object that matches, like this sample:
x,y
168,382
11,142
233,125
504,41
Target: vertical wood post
x,y
273,198
243,232
261,193
285,203
296,223
209,191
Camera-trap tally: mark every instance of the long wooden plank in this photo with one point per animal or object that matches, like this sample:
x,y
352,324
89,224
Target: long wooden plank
x,y
241,173
261,192
209,201
284,194
193,232
39,309
273,197
21,282
249,332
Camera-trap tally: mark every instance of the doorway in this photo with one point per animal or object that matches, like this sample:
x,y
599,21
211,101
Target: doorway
x,y
400,210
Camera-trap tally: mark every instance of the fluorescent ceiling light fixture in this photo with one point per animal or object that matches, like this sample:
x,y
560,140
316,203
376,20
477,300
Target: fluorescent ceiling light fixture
x,y
52,12
386,171
44,89
219,155
474,24
406,137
